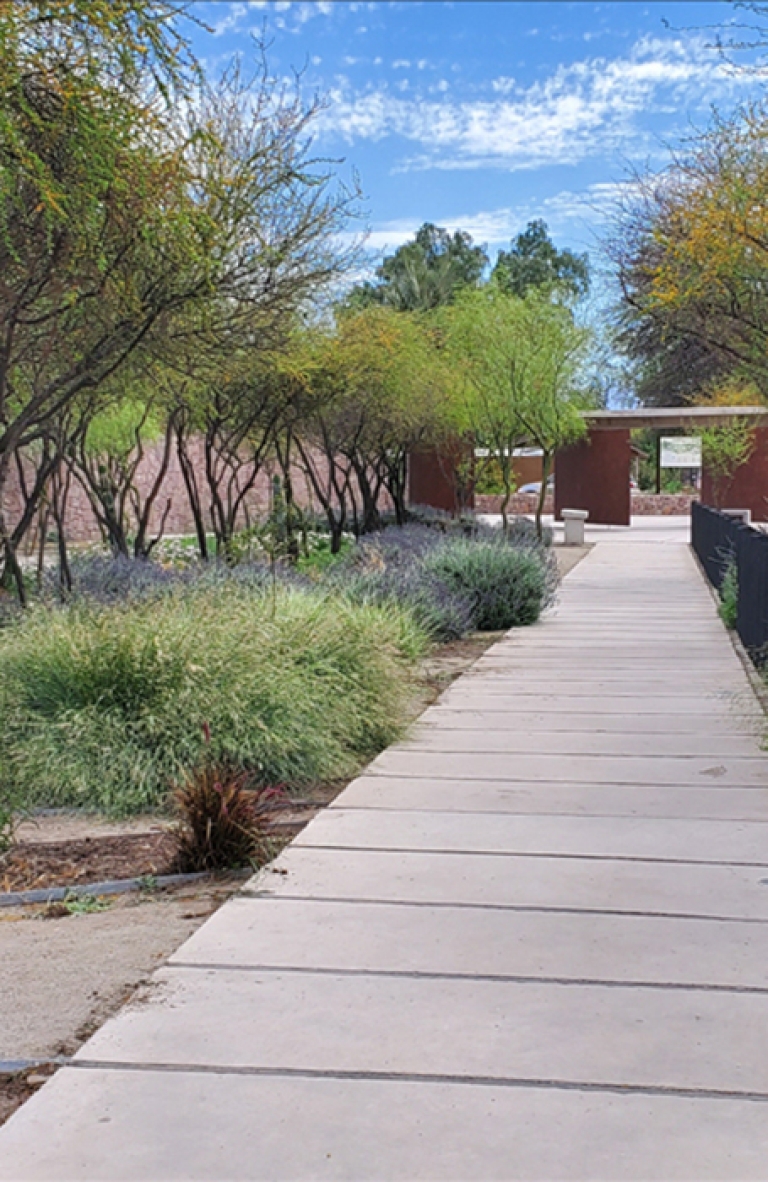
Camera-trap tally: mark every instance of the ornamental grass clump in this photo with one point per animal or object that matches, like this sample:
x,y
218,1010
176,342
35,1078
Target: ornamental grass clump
x,y
217,828
102,706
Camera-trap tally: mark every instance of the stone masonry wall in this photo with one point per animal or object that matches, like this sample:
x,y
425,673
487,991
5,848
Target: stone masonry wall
x,y
81,522
643,504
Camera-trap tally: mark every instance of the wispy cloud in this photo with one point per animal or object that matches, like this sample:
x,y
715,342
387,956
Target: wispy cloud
x,y
582,109
289,15
571,213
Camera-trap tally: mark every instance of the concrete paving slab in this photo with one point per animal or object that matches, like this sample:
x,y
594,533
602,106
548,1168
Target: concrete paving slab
x,y
569,682
594,769
520,881
573,680
443,716
576,664
608,800
631,1036
338,1130
620,648
598,670
480,697
382,937
670,838
516,741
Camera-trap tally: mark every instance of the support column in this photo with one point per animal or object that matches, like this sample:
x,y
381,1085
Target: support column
x,y
747,488
442,477
594,475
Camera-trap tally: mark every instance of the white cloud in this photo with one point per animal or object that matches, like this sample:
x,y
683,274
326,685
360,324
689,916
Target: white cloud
x,y
570,214
231,20
286,14
574,218
588,107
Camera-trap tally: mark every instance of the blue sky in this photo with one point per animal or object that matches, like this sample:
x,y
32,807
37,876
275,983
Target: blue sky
x,y
482,116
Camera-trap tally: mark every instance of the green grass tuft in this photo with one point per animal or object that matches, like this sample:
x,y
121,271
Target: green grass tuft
x,y
729,595
103,707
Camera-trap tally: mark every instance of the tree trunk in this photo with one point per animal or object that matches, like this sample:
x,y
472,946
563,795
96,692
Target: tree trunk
x,y
546,465
189,477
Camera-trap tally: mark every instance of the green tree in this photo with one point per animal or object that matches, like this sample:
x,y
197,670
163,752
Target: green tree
x,y
691,253
96,227
533,261
125,225
107,453
522,366
424,273
375,385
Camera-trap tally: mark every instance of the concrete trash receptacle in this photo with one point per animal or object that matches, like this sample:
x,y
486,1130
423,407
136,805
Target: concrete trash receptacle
x,y
574,526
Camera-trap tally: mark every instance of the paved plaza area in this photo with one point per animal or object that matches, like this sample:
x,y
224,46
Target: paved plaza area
x,y
530,942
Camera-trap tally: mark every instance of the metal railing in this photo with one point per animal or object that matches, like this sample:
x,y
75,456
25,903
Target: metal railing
x,y
721,541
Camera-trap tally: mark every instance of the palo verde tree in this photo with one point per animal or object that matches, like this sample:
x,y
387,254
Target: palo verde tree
x,y
521,361
98,237
107,454
394,387
367,389
125,224
691,251
730,444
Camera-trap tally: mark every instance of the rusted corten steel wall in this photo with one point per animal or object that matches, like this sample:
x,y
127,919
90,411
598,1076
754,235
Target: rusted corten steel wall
x,y
748,488
594,475
441,478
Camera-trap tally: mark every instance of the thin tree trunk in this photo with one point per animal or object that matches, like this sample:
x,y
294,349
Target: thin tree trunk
x,y
546,465
189,477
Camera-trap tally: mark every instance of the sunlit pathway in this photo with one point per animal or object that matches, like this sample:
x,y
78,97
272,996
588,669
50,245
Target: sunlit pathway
x,y
530,943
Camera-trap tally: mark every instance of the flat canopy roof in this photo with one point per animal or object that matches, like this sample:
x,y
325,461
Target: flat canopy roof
x,y
674,416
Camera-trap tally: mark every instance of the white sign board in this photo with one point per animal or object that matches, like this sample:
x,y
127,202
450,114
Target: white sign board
x,y
680,451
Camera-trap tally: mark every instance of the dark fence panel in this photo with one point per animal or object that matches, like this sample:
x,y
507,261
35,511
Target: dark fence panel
x,y
719,540
752,618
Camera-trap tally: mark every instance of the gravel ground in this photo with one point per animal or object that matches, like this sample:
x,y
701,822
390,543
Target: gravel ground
x,y
568,557
62,976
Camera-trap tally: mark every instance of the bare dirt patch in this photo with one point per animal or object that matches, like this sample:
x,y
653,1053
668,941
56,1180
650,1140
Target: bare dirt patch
x,y
78,861
449,661
63,976
18,1086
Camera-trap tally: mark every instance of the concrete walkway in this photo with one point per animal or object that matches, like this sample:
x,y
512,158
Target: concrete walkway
x,y
530,943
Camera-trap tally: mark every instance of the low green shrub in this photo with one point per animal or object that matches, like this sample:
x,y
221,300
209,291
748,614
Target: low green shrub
x,y
729,595
319,556
508,586
104,706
